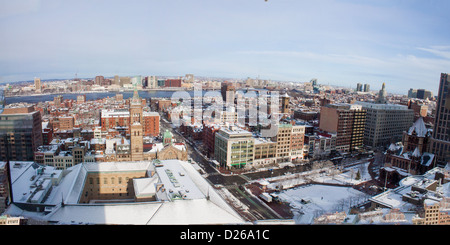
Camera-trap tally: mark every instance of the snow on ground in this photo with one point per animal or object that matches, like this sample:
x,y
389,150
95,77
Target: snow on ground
x,y
348,176
318,199
327,175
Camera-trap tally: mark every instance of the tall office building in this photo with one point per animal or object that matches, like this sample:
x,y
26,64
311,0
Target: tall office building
x,y
152,82
420,93
20,132
366,87
440,142
2,100
99,80
37,85
116,80
385,122
228,92
359,87
347,121
424,94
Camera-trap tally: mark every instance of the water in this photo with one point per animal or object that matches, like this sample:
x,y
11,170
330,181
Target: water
x,y
100,95
91,96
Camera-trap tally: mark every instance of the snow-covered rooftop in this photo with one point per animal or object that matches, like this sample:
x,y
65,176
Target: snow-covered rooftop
x,y
197,201
394,198
419,128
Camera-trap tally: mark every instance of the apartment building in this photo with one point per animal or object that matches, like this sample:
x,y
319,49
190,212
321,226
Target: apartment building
x,y
347,121
283,139
209,134
265,152
61,155
437,213
120,119
66,122
319,145
297,142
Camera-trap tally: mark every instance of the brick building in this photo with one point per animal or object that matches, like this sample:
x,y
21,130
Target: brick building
x,y
120,120
66,122
347,121
172,83
209,134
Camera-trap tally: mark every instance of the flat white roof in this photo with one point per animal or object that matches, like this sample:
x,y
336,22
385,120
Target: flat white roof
x,y
177,183
201,205
115,113
117,166
381,106
180,212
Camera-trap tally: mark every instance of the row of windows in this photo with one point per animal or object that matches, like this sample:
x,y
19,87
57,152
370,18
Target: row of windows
x,y
111,180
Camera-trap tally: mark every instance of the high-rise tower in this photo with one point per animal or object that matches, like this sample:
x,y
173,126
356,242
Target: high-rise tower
x,y
228,91
382,96
37,85
440,142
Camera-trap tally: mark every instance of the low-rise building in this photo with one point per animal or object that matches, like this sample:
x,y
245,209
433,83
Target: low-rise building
x,y
414,191
234,147
144,192
265,152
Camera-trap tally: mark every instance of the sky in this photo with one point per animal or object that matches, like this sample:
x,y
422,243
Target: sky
x,y
404,43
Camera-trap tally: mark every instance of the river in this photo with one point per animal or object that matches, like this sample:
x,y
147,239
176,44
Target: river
x,y
146,94
91,96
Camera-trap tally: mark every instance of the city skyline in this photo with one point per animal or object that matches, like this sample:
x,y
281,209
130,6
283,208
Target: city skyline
x,y
338,42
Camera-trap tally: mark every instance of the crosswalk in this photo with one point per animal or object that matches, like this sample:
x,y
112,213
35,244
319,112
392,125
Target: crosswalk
x,y
245,177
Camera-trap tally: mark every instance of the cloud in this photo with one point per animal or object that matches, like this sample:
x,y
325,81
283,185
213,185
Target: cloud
x,y
398,70
441,51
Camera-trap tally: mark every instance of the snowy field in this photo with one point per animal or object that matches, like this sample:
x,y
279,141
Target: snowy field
x,y
316,199
348,176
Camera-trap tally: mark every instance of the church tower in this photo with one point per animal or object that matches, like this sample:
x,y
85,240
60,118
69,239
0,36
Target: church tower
x,y
285,103
136,130
136,110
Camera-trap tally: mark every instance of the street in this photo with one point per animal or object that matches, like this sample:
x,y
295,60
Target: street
x,y
234,183
257,211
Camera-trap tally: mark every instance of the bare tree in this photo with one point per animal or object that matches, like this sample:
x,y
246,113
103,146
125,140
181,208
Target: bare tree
x,y
362,169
